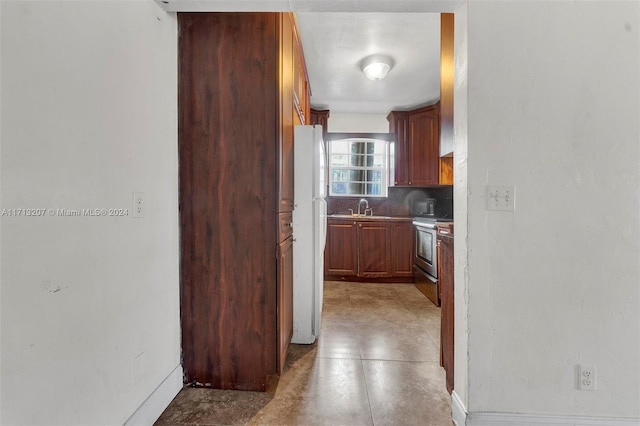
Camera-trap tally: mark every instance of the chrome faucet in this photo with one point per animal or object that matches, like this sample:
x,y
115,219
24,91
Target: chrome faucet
x,y
360,204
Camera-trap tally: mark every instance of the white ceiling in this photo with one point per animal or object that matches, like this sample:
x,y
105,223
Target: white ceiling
x,y
338,34
335,43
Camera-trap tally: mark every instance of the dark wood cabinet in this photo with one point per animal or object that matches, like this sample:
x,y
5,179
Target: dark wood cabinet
x,y
399,125
285,299
284,268
341,250
447,143
321,117
447,67
235,142
371,250
424,147
301,81
374,249
287,110
401,249
446,286
417,151
301,92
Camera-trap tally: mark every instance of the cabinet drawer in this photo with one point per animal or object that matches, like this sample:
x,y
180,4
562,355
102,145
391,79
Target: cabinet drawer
x,y
445,229
285,227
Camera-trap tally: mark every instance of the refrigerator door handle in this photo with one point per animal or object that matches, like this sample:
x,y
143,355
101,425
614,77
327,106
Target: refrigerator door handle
x,y
324,223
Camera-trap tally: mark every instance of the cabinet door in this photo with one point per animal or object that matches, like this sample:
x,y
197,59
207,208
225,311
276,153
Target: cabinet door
x,y
374,251
300,85
321,117
285,299
445,278
341,249
399,125
424,147
401,249
285,181
229,336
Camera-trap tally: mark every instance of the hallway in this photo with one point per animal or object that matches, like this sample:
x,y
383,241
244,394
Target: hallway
x,y
376,363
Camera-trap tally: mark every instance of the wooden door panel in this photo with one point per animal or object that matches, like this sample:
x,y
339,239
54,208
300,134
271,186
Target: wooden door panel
x,y
341,250
446,284
402,249
285,299
424,148
227,145
399,125
285,184
374,249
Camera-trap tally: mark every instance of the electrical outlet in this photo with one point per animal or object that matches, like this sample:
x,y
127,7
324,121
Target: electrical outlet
x,y
138,205
587,377
501,197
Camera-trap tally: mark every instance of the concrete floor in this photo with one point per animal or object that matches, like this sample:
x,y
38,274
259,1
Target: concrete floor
x,y
376,363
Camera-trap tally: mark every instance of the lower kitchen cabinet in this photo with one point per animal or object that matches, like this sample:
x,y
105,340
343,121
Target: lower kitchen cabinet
x,y
341,252
374,249
446,285
402,249
285,299
365,249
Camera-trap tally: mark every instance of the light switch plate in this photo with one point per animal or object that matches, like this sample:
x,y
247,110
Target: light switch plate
x,y
138,205
501,197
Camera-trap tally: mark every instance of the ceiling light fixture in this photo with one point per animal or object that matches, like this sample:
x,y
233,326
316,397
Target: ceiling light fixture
x,y
376,67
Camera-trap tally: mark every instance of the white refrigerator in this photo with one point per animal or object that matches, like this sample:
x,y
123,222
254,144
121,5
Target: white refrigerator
x,y
309,232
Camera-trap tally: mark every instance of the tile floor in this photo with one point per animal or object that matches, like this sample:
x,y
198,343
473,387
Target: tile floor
x,y
376,363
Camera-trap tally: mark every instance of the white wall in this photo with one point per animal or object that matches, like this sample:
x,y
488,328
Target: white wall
x,y
344,122
553,107
460,188
90,305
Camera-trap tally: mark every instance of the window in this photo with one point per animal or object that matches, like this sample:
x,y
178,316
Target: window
x,y
359,167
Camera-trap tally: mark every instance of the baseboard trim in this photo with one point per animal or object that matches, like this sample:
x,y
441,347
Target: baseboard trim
x,y
500,419
157,402
458,410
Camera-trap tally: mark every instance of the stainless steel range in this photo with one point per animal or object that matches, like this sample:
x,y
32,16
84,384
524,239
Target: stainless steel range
x,y
425,261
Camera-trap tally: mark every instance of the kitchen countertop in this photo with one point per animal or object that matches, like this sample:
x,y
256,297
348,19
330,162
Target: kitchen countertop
x,y
362,217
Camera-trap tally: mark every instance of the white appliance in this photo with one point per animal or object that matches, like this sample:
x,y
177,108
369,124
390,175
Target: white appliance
x,y
309,232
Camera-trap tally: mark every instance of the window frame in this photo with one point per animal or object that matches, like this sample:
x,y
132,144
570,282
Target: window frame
x,y
387,169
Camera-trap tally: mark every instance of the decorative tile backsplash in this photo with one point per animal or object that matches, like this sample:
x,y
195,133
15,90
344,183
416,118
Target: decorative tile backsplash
x,y
398,203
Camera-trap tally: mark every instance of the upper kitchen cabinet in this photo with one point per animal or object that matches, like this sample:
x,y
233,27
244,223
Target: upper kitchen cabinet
x,y
287,118
301,81
417,151
424,146
446,84
399,125
446,98
236,114
425,136
321,117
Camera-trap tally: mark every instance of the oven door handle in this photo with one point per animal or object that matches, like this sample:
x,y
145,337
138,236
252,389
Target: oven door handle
x,y
424,225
